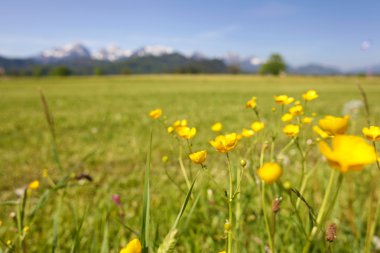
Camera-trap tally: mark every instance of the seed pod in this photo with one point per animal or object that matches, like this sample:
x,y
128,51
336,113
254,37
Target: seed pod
x,y
331,232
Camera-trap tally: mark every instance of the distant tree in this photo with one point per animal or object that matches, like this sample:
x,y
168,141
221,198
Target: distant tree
x,y
37,71
233,69
274,66
98,71
125,71
60,71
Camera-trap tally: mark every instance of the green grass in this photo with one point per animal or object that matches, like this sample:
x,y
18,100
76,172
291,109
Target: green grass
x,y
102,129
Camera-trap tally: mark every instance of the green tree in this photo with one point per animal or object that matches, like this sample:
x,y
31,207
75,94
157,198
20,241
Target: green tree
x,y
274,66
98,71
60,71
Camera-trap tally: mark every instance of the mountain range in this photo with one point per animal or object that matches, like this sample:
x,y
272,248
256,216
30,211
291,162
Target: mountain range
x,y
149,59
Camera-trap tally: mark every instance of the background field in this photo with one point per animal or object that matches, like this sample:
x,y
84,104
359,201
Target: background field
x,y
103,128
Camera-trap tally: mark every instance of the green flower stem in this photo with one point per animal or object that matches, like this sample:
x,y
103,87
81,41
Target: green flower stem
x,y
183,168
266,218
230,199
323,210
377,156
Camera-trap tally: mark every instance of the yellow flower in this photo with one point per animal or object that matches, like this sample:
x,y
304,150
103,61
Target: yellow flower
x,y
307,120
320,132
225,143
310,95
133,246
257,126
170,129
26,229
247,133
186,132
222,251
334,125
155,114
251,103
34,185
180,123
165,159
296,110
45,173
348,153
291,130
283,99
217,127
270,172
287,117
198,157
372,133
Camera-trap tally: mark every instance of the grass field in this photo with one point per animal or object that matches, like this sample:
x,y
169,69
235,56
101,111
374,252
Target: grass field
x,y
102,129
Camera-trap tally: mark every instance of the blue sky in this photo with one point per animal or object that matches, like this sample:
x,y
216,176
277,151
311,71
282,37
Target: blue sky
x,y
327,32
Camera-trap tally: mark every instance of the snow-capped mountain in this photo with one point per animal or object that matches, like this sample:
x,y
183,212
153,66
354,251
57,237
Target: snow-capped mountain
x,y
153,50
67,52
111,53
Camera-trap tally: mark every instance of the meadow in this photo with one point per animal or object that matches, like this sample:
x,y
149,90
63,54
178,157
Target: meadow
x,y
102,132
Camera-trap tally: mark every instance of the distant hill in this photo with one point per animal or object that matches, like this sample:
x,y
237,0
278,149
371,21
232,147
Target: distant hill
x,y
79,60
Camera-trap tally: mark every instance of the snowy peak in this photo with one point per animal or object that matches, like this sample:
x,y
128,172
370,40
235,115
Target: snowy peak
x,y
68,51
153,50
111,53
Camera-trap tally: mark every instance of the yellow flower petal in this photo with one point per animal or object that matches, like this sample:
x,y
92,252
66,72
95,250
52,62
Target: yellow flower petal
x,y
217,127
334,125
270,172
198,157
133,246
372,133
155,114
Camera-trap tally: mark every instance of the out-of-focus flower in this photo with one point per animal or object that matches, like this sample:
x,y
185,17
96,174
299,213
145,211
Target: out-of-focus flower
x,y
225,143
352,107
348,153
34,185
291,130
165,159
186,132
116,199
251,103
283,99
310,95
179,123
217,127
334,125
198,157
287,117
372,133
247,133
45,173
307,120
133,246
25,230
257,126
170,129
156,113
296,110
320,132
270,172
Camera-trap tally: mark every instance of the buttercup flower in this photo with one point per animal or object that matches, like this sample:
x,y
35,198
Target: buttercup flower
x,y
186,132
34,185
307,120
217,127
372,133
133,246
283,99
225,143
320,132
296,110
251,103
257,126
155,114
348,153
291,130
247,133
310,95
287,117
198,157
180,123
270,172
170,129
334,125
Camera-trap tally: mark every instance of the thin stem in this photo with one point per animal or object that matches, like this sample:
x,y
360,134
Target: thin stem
x,y
377,156
266,220
230,199
322,210
183,168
